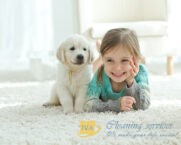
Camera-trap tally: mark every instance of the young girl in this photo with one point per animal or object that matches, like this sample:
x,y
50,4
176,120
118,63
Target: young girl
x,y
121,83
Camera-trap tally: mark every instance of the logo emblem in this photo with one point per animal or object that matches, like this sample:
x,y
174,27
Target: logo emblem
x,y
88,128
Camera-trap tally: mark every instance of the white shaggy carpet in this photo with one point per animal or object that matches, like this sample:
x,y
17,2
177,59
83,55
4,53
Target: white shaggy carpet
x,y
23,120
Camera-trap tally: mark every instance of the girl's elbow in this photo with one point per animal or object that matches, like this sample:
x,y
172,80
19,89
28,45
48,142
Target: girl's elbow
x,y
145,104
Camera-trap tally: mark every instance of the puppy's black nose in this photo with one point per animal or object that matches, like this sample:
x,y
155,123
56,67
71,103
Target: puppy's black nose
x,y
80,57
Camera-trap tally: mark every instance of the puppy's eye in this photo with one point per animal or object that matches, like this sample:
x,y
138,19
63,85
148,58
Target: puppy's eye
x,y
84,49
72,48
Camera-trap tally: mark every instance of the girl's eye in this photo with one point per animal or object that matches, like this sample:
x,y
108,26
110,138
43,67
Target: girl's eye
x,y
109,60
72,48
125,60
84,49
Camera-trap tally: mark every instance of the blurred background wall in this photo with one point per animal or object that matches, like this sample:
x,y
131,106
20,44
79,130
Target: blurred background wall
x,y
31,30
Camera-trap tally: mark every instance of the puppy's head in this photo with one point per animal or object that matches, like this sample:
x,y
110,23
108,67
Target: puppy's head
x,y
75,51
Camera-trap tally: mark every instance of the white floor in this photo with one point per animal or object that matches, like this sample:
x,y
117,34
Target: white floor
x,y
23,120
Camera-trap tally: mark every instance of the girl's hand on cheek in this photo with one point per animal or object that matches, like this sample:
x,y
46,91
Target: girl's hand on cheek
x,y
126,103
133,71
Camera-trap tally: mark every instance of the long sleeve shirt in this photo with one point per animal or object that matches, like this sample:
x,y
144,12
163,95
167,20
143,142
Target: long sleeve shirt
x,y
102,98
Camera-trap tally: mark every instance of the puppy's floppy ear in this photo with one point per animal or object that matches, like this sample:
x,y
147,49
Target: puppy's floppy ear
x,y
61,53
91,56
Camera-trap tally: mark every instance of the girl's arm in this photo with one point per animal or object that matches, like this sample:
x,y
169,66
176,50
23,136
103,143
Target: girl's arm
x,y
138,86
140,89
141,93
97,105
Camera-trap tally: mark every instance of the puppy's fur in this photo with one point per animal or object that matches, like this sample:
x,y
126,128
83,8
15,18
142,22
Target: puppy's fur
x,y
74,74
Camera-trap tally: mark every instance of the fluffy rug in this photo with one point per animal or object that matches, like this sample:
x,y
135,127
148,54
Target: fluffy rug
x,y
23,120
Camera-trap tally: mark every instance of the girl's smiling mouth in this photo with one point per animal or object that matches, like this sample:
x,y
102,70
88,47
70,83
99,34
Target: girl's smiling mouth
x,y
118,75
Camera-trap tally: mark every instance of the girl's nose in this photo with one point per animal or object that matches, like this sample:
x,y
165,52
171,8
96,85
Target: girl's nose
x,y
117,66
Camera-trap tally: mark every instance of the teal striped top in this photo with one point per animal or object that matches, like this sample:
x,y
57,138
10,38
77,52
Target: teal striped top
x,y
104,90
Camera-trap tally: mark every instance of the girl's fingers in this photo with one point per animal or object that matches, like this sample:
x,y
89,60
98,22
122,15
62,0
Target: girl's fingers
x,y
134,68
129,98
133,73
127,102
132,65
125,108
135,61
129,105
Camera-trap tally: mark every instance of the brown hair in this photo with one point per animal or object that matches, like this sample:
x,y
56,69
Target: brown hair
x,y
119,36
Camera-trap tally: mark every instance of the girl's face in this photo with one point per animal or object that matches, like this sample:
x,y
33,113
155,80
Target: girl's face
x,y
117,63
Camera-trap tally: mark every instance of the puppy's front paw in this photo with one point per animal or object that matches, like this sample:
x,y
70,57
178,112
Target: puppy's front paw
x,y
49,104
79,110
68,110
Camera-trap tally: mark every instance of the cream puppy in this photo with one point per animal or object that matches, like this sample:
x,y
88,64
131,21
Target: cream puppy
x,y
74,73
